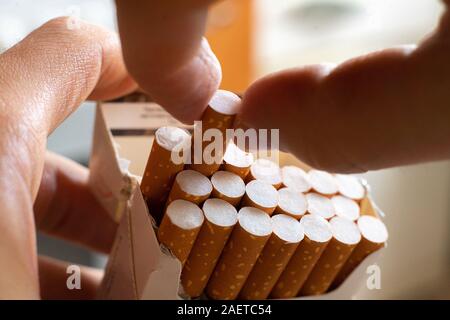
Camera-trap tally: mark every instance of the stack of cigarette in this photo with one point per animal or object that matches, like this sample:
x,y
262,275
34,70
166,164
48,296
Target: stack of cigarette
x,y
248,229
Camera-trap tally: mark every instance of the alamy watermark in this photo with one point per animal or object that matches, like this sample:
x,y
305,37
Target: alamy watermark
x,y
373,281
73,281
208,146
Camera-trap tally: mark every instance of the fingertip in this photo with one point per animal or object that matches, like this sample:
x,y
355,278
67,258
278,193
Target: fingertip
x,y
213,61
274,100
293,102
186,93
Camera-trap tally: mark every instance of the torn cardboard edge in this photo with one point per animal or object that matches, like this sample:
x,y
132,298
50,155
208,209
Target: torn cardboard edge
x,y
138,267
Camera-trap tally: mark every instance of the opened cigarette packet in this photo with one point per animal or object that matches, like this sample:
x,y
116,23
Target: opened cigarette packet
x,y
243,228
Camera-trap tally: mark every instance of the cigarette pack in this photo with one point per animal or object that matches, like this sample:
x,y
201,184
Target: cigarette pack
x,y
139,267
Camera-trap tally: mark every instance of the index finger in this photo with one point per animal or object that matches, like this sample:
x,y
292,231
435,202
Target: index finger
x,y
165,52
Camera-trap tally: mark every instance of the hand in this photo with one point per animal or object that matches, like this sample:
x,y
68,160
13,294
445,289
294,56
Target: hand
x,y
384,109
43,79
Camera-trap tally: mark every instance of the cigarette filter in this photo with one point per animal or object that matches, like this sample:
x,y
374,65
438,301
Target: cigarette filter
x,y
261,195
220,218
322,182
350,186
246,242
374,236
320,205
161,170
286,236
179,227
291,202
228,186
346,236
345,207
317,235
295,178
219,115
237,161
367,207
192,186
267,171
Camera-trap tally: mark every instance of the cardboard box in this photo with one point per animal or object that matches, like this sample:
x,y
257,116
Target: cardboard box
x,y
138,267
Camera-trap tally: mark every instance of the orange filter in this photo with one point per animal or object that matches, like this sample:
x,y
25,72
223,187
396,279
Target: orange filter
x,y
320,205
295,178
220,218
374,236
179,227
267,171
291,202
246,242
346,236
286,236
367,207
322,182
261,195
219,114
228,186
192,186
345,207
161,168
237,161
350,186
317,235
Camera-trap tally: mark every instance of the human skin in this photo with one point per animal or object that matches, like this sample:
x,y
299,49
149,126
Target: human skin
x,y
43,79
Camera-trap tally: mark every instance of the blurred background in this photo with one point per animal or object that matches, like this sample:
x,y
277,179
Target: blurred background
x,y
253,38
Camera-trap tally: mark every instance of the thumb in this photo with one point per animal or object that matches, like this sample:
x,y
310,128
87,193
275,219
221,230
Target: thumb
x,y
384,109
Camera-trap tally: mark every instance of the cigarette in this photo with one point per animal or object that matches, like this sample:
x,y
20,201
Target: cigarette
x,y
345,238
350,186
228,186
317,235
345,207
237,161
367,208
322,182
295,178
267,171
261,195
161,170
192,186
179,228
320,205
291,202
220,218
219,114
246,242
286,236
373,237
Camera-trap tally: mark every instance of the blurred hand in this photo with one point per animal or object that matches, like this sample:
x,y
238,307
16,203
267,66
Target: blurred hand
x,y
43,79
384,109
